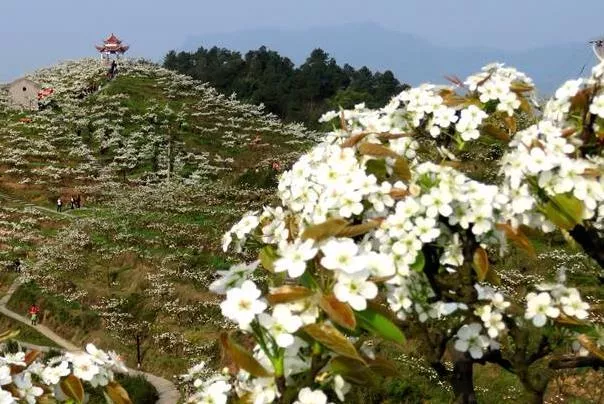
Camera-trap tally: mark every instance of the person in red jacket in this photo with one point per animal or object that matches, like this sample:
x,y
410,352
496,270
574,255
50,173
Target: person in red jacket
x,y
34,310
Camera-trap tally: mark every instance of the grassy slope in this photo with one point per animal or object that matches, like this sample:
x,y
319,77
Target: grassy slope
x,y
26,333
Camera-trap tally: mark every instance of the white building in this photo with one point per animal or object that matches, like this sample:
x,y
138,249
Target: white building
x,y
23,93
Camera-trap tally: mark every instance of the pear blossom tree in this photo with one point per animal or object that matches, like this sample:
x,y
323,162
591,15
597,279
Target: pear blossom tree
x,y
381,233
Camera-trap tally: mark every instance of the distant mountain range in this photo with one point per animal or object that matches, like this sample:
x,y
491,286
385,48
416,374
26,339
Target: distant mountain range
x,y
412,59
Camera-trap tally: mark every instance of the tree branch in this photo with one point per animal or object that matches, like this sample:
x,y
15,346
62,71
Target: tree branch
x,y
572,362
543,349
496,358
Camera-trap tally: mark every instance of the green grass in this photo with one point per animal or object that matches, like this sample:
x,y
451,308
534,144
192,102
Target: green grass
x,y
138,388
26,333
69,315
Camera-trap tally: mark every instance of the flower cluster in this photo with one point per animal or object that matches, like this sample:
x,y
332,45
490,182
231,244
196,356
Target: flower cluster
x,y
28,378
552,301
553,170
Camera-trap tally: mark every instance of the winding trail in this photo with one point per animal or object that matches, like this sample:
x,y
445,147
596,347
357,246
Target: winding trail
x,y
13,199
167,391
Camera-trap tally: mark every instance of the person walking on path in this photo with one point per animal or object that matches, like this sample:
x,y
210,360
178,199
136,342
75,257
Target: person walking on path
x,y
33,314
72,202
17,265
59,205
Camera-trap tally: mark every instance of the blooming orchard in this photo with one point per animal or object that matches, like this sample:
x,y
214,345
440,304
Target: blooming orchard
x,y
370,236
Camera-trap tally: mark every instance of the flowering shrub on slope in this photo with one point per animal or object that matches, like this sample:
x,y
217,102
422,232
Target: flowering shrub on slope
x,y
109,131
370,237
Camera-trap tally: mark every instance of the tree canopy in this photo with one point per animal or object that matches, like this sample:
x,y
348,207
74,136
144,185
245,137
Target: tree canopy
x,y
300,94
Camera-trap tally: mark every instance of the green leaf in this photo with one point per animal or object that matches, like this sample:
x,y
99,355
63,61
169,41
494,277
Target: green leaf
x,y
380,325
383,367
333,339
329,228
352,370
267,257
564,210
72,387
378,168
493,277
419,263
242,358
308,281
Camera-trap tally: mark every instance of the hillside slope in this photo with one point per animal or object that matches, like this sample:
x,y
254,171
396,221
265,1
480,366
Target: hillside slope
x,y
163,164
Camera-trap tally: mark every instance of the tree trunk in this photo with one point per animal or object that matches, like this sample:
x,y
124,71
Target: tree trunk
x,y
535,395
138,351
463,379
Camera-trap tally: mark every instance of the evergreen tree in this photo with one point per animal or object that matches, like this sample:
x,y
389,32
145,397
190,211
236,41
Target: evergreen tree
x,y
300,94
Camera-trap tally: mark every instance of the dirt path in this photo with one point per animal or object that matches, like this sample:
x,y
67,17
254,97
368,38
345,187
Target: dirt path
x,y
37,207
167,391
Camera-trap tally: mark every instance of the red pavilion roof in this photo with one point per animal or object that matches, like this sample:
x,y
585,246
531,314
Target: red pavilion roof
x,y
112,39
112,45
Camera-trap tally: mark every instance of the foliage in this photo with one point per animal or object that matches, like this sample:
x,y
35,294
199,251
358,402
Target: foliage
x,y
296,94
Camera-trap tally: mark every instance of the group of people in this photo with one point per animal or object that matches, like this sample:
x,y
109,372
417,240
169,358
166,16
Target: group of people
x,y
74,202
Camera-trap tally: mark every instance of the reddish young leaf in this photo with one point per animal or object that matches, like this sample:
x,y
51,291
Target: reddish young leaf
x,y
31,356
339,312
376,150
353,140
332,339
117,393
358,229
288,293
591,346
72,387
480,263
328,228
401,169
517,237
242,358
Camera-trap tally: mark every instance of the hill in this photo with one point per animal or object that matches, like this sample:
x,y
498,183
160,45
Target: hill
x,y
163,164
411,58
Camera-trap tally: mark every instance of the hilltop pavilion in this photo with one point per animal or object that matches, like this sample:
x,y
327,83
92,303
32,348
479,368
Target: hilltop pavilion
x,y
112,46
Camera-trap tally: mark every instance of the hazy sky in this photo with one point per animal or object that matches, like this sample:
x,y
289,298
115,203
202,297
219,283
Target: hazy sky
x,y
40,32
